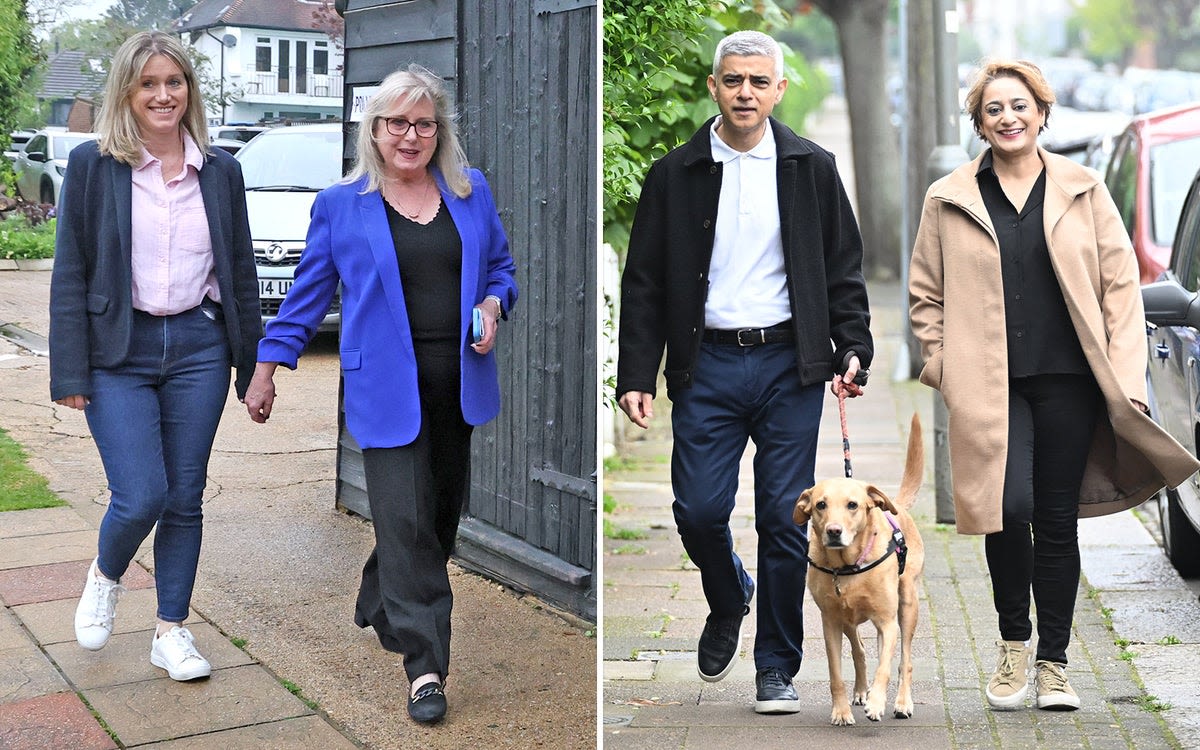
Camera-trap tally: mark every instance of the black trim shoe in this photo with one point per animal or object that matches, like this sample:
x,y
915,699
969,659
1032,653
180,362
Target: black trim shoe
x,y
776,694
720,642
428,706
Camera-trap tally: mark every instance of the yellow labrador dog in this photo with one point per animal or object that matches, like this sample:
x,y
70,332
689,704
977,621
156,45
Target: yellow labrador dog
x,y
865,556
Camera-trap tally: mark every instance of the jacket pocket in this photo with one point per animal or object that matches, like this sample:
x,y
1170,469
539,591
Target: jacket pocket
x,y
97,304
351,359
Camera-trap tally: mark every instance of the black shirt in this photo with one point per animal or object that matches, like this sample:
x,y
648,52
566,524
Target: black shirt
x,y
1041,338
430,257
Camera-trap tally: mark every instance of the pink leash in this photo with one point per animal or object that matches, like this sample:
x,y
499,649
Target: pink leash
x,y
845,432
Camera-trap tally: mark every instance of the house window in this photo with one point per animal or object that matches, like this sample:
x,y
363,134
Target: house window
x,y
321,58
262,55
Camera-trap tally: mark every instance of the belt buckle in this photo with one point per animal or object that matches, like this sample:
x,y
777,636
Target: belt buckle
x,y
762,336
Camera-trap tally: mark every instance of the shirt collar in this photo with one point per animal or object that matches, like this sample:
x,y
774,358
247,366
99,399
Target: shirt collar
x,y
723,153
192,156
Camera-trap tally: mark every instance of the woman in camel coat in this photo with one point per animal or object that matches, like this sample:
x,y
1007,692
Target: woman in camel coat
x,y
999,343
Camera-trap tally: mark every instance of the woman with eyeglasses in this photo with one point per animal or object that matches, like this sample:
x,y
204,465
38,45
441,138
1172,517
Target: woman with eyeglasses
x,y
414,239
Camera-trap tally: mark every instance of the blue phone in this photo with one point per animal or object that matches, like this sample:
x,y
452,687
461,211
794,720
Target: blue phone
x,y
476,324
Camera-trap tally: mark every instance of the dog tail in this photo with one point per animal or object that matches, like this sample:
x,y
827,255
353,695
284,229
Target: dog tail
x,y
914,466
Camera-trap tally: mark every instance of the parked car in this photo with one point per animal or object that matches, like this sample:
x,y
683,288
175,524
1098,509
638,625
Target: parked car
x,y
1152,165
40,166
1173,378
243,133
284,168
17,141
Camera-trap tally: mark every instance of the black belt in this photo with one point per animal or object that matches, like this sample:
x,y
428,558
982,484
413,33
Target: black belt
x,y
780,333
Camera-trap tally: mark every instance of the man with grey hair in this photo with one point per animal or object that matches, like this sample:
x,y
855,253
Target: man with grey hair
x,y
745,263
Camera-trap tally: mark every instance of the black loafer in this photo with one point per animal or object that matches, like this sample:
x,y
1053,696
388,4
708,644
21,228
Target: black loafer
x,y
720,642
776,694
428,706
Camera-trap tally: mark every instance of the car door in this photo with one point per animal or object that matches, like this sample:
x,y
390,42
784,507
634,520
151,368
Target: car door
x,y
29,172
1174,368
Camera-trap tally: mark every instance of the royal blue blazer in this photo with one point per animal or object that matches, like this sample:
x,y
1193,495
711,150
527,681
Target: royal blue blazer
x,y
91,287
349,242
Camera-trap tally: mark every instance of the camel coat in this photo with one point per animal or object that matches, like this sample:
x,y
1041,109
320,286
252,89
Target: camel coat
x,y
957,311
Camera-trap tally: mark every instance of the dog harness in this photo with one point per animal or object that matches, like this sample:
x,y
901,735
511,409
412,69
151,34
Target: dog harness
x,y
896,544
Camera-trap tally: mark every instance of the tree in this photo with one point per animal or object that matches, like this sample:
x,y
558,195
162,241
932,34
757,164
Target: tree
x,y
19,58
145,15
1113,30
861,26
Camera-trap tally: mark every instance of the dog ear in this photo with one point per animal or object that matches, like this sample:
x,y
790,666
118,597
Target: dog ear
x,y
881,500
803,507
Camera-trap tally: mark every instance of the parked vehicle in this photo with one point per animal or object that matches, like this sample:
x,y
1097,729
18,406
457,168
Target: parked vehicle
x,y
1173,378
40,166
284,168
17,141
243,133
1152,165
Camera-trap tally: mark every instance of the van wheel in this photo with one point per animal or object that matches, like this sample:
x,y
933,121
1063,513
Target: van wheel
x,y
47,193
1181,541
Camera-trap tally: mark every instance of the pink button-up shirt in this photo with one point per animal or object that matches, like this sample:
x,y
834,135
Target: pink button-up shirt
x,y
172,249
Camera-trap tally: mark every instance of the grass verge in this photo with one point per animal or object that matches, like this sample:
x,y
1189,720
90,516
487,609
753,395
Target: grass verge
x,y
21,488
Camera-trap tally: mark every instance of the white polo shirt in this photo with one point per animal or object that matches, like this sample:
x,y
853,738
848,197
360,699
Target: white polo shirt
x,y
747,285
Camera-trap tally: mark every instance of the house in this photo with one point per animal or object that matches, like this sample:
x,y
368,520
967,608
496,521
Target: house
x,y
70,76
274,61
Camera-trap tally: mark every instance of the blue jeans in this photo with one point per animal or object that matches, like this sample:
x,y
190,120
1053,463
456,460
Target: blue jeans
x,y
153,420
740,394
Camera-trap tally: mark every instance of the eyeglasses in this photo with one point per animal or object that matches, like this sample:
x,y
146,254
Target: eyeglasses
x,y
400,126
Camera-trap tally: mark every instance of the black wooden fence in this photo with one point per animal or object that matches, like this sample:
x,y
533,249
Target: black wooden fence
x,y
525,76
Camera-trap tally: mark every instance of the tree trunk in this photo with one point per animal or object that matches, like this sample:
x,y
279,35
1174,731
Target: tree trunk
x,y
861,28
920,109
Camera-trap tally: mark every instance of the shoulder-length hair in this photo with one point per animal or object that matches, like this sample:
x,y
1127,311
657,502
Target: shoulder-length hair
x,y
1023,71
118,129
399,92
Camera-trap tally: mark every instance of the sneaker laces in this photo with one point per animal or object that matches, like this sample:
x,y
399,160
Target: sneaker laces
x,y
1051,678
183,640
1006,670
106,602
774,677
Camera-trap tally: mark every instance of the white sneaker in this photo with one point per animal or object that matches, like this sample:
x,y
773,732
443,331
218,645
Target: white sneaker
x,y
96,610
175,651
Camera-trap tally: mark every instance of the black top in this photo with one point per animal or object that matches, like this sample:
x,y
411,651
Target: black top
x,y
430,257
1041,338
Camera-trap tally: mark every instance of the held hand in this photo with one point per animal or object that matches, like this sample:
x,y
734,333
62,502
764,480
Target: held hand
x,y
75,402
1140,406
638,406
845,382
260,394
491,326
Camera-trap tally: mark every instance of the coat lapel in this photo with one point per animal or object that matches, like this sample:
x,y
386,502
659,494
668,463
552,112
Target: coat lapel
x,y
214,204
468,233
121,183
383,250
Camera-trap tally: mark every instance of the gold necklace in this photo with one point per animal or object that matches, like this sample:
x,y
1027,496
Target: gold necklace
x,y
420,205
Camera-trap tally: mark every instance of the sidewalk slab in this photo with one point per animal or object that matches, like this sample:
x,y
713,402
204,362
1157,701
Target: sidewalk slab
x,y
64,580
26,673
304,732
53,721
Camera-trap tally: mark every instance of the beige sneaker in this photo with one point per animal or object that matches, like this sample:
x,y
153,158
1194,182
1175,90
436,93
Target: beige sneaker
x,y
1008,686
1054,693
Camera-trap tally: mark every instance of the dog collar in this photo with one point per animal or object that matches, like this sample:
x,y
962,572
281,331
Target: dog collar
x,y
896,545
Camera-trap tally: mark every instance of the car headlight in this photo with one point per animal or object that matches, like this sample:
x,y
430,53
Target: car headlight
x,y
60,168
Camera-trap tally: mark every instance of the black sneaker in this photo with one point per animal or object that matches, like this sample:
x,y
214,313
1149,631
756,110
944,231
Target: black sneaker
x,y
428,706
720,643
776,695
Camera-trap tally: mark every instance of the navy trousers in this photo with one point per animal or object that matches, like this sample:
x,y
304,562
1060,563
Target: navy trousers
x,y
740,394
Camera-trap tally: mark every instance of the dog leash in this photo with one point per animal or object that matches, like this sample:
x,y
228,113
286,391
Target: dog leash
x,y
845,432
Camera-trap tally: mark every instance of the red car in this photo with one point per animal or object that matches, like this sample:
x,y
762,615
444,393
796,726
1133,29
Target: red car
x,y
1153,163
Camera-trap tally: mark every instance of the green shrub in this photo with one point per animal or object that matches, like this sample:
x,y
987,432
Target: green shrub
x,y
20,239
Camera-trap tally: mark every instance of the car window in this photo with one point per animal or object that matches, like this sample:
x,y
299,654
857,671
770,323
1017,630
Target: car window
x,y
296,159
36,143
1172,167
1122,179
64,144
1184,262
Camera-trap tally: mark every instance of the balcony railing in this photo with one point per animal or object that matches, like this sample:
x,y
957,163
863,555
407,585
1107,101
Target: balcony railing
x,y
288,81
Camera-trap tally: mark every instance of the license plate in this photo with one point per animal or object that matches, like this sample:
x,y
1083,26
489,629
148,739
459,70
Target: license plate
x,y
273,288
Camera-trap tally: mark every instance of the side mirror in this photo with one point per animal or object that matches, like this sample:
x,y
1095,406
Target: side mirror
x,y
1169,304
35,156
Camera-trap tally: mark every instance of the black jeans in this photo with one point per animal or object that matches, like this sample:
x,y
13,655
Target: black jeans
x,y
1050,424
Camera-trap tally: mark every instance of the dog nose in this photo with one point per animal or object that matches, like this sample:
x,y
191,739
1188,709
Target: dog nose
x,y
833,530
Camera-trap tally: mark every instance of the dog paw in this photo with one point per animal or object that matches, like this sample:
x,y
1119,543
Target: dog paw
x,y
841,717
874,712
860,697
903,709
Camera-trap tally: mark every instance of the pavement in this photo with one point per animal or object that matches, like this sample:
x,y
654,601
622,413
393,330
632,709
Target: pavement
x,y
273,601
1135,649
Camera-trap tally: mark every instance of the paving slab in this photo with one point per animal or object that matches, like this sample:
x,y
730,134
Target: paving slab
x,y
303,733
54,621
62,580
20,552
162,709
25,672
40,521
52,722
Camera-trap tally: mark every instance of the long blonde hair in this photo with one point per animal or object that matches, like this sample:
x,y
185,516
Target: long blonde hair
x,y
118,129
404,88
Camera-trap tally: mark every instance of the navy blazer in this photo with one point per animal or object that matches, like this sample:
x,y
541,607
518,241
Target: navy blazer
x,y
91,287
349,242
